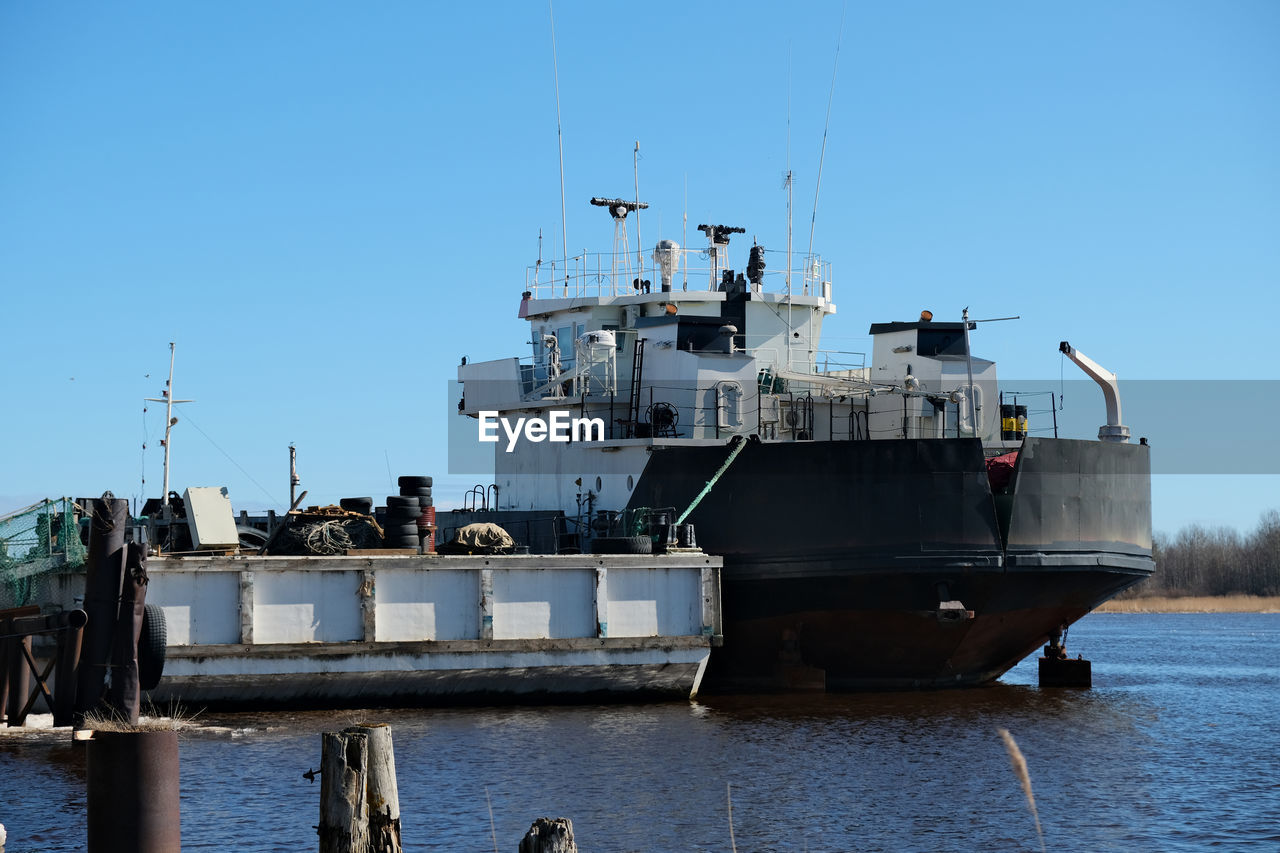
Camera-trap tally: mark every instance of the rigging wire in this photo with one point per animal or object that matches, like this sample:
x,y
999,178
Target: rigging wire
x,y
230,459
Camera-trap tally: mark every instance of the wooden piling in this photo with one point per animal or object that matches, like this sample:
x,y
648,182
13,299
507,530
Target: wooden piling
x,y
344,805
383,794
549,835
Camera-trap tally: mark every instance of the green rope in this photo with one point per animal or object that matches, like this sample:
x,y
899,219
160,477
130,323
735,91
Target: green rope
x,y
733,454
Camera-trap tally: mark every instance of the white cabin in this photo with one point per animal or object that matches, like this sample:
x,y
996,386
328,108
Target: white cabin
x,y
703,355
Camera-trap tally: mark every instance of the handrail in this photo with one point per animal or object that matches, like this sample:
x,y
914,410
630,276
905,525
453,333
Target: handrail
x,y
606,274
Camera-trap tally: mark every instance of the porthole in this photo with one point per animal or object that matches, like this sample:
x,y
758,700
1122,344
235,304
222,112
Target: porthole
x,y
599,484
630,483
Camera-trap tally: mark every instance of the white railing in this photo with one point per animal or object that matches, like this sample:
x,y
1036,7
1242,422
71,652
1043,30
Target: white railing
x,y
605,274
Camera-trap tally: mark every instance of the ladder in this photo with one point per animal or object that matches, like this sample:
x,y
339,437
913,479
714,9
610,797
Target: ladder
x,y
637,371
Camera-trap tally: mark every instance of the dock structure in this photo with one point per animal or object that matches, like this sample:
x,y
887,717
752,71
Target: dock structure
x,y
325,631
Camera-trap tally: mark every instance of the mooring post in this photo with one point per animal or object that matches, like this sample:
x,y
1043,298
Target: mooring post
x,y
383,795
4,681
66,671
19,678
344,805
104,575
125,689
549,835
133,792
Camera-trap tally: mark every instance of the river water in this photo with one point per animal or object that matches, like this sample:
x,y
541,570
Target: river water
x,y
1177,747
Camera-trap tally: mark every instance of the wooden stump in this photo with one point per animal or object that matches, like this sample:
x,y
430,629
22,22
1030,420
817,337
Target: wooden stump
x,y
549,835
383,794
344,807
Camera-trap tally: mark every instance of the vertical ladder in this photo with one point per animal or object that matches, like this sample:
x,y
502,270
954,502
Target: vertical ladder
x,y
637,372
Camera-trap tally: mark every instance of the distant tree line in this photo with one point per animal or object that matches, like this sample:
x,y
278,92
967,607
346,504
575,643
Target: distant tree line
x,y
1216,561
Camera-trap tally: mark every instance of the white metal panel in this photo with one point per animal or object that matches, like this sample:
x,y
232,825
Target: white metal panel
x,y
491,385
543,604
199,608
418,604
210,517
646,602
306,607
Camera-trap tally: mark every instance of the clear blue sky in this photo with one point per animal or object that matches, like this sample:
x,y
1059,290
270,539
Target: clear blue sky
x,y
326,205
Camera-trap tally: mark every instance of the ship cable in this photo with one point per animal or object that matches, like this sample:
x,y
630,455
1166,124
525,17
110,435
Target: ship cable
x,y
738,443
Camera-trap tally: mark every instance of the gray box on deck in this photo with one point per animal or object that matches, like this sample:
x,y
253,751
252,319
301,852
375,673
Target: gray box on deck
x,y
210,517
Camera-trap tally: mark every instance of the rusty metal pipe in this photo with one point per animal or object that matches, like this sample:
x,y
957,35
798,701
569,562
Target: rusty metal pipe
x,y
126,695
19,678
21,626
133,793
104,576
66,673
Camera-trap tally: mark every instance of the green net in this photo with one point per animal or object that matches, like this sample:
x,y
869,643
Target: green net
x,y
36,542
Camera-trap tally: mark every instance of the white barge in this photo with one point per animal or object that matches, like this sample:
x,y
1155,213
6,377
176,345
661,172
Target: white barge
x,y
251,631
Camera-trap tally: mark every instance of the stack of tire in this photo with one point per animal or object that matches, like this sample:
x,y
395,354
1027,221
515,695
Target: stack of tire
x,y
420,487
401,528
364,506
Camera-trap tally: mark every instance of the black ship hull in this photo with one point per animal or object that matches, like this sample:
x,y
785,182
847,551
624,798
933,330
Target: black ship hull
x,y
886,564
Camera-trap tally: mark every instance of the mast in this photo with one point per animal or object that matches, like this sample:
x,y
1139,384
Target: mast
x,y
789,192
638,207
968,361
169,421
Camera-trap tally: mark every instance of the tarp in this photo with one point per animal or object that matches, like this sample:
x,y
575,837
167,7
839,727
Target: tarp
x,y
1000,470
479,538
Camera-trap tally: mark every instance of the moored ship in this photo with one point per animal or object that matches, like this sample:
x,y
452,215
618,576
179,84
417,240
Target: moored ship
x,y
884,523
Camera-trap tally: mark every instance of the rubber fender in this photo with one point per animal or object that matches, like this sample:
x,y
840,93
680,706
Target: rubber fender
x,y
152,641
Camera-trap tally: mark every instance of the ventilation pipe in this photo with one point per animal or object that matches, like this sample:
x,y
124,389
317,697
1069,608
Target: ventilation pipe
x,y
1113,430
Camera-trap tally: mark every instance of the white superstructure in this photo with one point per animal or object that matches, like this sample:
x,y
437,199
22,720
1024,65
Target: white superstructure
x,y
688,350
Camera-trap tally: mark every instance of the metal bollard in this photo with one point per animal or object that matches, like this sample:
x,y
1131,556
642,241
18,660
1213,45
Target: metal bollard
x,y
133,793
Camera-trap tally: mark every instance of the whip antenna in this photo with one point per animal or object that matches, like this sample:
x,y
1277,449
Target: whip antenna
x,y
555,67
822,155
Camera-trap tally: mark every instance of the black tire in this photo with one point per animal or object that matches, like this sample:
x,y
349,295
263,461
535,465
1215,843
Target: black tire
x,y
394,521
394,501
397,531
362,505
414,482
151,646
423,495
251,538
622,545
403,542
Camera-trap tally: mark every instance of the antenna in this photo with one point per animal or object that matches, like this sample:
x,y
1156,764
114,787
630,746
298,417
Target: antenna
x,y
618,209
169,421
789,184
822,156
639,243
555,65
684,236
718,235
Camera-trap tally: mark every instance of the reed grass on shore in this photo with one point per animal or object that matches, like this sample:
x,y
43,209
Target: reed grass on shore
x,y
1194,604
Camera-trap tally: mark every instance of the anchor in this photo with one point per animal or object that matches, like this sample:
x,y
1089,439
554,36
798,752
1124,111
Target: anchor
x,y
1058,670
